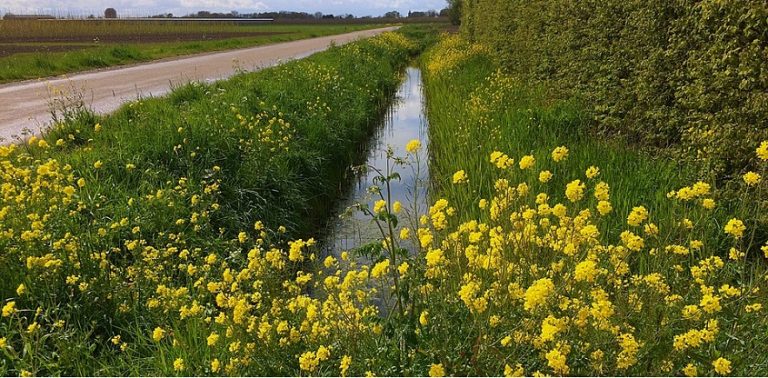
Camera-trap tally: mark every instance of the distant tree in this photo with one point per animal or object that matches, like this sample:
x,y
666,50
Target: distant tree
x,y
431,13
110,13
318,15
349,17
454,13
445,12
328,17
392,14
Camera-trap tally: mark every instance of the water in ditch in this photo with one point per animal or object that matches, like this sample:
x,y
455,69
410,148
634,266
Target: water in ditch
x,y
404,121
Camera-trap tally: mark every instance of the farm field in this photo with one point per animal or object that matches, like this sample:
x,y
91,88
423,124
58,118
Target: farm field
x,y
543,212
32,49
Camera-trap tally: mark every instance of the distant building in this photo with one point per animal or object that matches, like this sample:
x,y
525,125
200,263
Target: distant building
x,y
110,13
11,16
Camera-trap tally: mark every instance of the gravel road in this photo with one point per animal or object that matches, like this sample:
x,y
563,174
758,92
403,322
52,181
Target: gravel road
x,y
25,105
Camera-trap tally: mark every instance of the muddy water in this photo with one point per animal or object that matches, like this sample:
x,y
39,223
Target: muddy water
x,y
405,120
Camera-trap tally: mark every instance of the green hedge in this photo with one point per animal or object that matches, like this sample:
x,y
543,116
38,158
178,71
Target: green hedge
x,y
687,74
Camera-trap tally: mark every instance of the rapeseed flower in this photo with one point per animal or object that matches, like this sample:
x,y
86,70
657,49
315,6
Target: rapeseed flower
x,y
574,191
9,309
460,177
158,334
346,362
413,146
638,215
722,366
762,151
538,293
436,370
557,361
560,153
178,364
379,206
735,228
527,161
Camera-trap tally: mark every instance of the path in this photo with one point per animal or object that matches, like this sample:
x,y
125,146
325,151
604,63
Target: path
x,y
26,105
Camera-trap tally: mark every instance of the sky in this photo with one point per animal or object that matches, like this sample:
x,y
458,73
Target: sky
x,y
137,8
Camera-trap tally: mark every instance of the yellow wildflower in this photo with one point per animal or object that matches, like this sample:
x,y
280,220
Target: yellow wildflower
x,y
527,161
517,371
158,334
735,228
460,177
592,172
575,190
637,216
178,364
413,146
586,271
751,178
379,206
213,338
690,370
762,151
557,361
424,318
437,370
722,366
604,207
9,309
538,293
560,153
346,361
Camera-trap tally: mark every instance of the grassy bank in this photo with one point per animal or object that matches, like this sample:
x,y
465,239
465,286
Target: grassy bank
x,y
153,241
125,49
563,253
687,75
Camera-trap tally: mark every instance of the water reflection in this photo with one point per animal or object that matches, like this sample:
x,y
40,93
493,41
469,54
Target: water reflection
x,y
405,120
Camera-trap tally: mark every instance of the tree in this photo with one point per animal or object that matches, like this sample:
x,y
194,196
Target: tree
x,y
110,13
392,14
454,11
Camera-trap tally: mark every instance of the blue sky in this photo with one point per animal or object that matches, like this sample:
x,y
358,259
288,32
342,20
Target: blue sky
x,y
181,7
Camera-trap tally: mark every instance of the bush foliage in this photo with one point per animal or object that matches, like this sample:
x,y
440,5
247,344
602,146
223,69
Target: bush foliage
x,y
685,74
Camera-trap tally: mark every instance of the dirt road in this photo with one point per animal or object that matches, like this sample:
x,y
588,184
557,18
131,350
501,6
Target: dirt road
x,y
25,106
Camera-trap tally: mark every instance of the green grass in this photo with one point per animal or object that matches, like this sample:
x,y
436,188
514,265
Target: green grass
x,y
474,109
184,176
519,119
24,66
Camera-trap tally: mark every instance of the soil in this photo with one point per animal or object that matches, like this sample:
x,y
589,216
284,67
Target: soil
x,y
16,44
136,38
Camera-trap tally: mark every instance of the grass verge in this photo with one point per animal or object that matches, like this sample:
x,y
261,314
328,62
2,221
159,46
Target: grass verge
x,y
126,237
25,66
559,253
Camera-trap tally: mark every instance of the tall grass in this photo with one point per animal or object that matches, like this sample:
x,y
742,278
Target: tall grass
x,y
129,208
549,280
